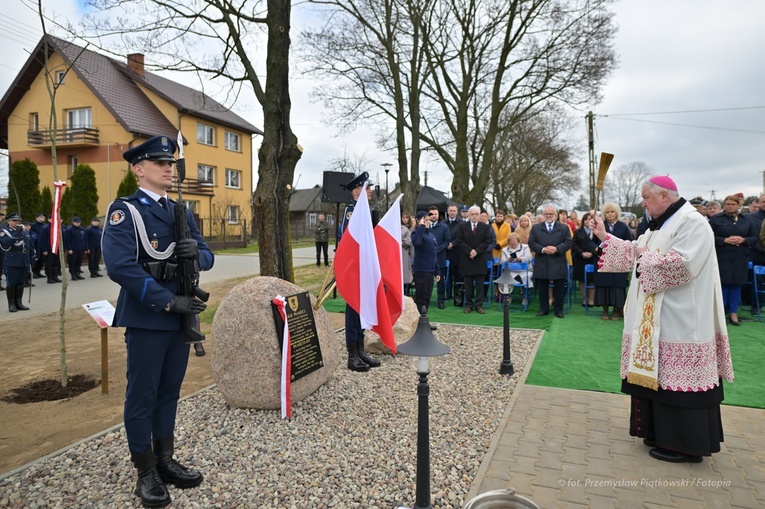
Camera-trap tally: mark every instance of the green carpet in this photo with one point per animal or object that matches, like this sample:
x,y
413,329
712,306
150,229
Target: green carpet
x,y
583,352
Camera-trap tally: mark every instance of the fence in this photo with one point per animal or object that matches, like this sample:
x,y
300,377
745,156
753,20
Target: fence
x,y
219,233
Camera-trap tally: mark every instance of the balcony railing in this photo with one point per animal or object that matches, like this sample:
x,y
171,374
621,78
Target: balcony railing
x,y
70,137
194,186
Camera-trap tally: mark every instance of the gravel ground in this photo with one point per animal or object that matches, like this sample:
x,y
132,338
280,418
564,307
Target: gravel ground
x,y
351,444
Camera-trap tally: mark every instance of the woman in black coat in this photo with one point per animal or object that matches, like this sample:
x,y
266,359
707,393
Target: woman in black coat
x,y
734,233
611,287
585,251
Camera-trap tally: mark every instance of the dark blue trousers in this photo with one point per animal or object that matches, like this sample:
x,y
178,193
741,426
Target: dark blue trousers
x,y
353,331
156,365
16,276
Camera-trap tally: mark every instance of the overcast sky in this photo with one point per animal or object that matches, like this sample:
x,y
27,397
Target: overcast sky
x,y
675,56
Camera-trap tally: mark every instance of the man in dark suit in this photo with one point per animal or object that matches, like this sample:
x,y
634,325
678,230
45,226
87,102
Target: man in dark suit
x,y
140,252
550,240
473,239
440,232
452,222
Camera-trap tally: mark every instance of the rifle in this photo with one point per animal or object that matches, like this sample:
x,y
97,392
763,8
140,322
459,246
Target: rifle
x,y
188,270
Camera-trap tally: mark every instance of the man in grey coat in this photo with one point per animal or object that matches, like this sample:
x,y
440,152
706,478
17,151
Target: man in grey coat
x,y
550,240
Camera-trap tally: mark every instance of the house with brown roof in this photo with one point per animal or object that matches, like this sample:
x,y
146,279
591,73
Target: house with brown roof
x,y
103,107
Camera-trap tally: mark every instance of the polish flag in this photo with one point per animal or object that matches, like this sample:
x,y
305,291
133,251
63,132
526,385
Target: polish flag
x,y
357,273
388,240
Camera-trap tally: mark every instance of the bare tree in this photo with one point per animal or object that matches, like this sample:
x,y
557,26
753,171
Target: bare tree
x,y
216,38
533,163
624,185
483,59
372,53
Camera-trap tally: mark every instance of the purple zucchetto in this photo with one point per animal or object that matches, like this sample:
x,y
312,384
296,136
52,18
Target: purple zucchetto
x,y
664,181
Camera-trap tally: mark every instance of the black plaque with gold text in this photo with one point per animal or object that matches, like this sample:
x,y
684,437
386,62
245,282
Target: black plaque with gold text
x,y
306,351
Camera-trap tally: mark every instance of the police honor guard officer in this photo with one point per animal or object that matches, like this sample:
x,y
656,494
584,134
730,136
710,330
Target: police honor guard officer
x,y
76,245
140,251
358,360
16,246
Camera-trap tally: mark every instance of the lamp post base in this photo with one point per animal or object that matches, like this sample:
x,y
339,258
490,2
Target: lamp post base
x,y
506,368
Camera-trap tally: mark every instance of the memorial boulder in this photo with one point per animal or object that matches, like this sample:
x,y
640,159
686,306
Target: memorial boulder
x,y
403,329
246,361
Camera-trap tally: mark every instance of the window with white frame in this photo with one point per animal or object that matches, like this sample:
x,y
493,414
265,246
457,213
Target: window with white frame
x,y
232,214
205,134
34,122
79,118
192,205
206,174
73,161
233,178
232,142
60,77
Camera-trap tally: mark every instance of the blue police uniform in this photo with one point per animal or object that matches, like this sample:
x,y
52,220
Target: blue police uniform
x,y
35,231
358,360
76,242
137,237
93,235
16,245
51,260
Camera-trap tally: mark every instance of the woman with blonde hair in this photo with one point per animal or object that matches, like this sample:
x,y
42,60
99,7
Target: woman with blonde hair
x,y
523,229
611,287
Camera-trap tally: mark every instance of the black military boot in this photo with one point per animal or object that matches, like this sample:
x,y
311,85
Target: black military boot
x,y
354,361
149,486
19,303
170,470
373,363
10,292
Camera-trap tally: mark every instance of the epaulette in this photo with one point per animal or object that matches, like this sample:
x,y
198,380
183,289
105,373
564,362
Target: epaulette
x,y
127,198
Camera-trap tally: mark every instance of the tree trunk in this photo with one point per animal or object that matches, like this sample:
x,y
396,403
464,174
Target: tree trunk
x,y
279,153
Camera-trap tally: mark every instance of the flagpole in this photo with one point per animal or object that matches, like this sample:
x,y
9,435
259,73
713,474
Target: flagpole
x,y
326,287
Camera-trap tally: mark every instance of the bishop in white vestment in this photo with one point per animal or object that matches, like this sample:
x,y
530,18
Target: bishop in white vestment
x,y
675,350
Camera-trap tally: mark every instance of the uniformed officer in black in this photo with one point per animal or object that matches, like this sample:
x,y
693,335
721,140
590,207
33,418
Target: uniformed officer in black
x,y
93,235
36,230
139,250
76,245
16,245
358,360
3,224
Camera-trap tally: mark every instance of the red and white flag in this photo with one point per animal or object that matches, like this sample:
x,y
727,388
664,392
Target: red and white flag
x,y
55,220
388,240
357,273
286,379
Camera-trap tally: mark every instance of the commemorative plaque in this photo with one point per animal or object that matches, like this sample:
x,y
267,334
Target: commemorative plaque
x,y
306,351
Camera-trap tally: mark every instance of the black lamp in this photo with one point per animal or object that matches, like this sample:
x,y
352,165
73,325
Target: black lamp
x,y
387,169
423,347
505,284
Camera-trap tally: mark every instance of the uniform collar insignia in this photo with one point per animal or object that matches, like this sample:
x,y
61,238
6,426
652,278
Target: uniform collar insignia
x,y
143,201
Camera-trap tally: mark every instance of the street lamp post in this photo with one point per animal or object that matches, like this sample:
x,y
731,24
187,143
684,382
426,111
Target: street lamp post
x,y
505,285
387,169
423,347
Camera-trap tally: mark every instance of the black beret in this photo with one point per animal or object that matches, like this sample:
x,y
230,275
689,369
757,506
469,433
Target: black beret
x,y
357,181
158,148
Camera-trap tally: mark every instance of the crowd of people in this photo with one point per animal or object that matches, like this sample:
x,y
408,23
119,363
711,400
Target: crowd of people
x,y
25,252
557,246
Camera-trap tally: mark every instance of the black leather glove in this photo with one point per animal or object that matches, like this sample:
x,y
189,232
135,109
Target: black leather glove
x,y
185,305
187,249
497,246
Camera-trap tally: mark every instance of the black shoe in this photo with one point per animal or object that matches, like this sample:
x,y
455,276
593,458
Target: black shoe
x,y
98,274
93,275
649,442
149,486
52,281
543,313
372,363
56,279
440,305
354,361
37,275
10,293
673,456
558,315
735,323
199,349
468,310
480,311
172,472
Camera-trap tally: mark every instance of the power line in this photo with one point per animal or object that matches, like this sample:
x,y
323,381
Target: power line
x,y
683,111
686,125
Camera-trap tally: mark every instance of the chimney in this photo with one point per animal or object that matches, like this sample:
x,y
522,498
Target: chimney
x,y
135,63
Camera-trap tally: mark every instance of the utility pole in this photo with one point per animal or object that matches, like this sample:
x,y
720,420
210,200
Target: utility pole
x,y
591,149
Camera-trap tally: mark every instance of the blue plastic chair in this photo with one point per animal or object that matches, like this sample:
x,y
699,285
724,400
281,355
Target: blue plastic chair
x,y
589,277
758,287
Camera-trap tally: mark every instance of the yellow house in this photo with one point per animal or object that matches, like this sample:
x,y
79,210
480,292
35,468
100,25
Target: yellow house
x,y
103,107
